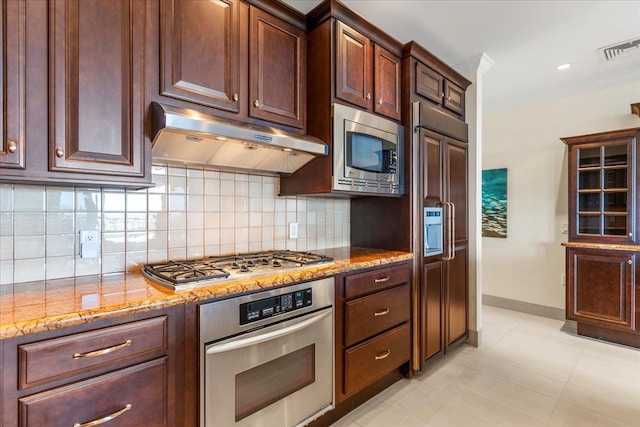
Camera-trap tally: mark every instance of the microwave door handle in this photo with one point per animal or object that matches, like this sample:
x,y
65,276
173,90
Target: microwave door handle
x,y
268,336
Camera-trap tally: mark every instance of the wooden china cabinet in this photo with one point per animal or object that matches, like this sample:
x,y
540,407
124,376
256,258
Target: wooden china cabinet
x,y
603,253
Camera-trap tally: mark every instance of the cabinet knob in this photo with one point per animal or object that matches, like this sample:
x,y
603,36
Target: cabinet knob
x,y
12,146
630,234
368,97
59,152
380,101
256,103
629,262
235,97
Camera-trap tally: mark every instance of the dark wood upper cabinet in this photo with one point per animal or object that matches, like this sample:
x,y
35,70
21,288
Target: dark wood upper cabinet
x,y
367,74
200,43
13,80
453,97
387,82
429,83
435,87
96,99
353,66
277,70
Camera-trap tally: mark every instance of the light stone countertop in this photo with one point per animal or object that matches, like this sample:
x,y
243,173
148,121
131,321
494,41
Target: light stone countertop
x,y
28,308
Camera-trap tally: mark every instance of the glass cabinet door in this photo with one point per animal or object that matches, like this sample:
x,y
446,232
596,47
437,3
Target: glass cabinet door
x,y
604,190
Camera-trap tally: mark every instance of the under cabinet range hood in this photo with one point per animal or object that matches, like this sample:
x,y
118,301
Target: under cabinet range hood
x,y
188,136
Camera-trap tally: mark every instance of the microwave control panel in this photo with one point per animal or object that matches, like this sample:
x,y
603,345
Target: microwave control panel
x,y
273,306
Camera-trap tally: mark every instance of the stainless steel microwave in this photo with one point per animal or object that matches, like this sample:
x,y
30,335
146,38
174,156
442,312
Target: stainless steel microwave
x,y
368,154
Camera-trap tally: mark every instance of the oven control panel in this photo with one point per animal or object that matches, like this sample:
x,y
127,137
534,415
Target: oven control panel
x,y
273,306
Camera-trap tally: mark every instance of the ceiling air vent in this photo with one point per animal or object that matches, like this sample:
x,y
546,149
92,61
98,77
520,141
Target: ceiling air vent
x,y
618,50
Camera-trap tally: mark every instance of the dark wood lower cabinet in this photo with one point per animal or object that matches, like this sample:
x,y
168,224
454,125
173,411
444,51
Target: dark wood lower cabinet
x,y
372,314
602,294
133,396
129,368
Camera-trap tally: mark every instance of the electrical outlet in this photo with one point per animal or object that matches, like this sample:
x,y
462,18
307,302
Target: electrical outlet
x,y
563,279
564,228
293,230
89,243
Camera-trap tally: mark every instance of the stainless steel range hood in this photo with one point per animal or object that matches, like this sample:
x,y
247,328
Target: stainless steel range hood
x,y
188,136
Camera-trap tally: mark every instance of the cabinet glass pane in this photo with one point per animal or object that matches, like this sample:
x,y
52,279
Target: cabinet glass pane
x,y
588,157
615,202
589,224
615,155
615,178
589,180
589,202
615,225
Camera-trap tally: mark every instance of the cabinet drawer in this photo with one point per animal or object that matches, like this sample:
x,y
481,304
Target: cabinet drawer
x,y
372,281
373,359
370,315
135,396
57,358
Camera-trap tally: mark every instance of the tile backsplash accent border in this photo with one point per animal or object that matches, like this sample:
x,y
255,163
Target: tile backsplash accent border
x,y
190,213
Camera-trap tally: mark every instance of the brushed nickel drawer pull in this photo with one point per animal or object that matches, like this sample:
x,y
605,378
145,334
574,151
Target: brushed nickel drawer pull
x,y
383,355
381,312
107,350
382,279
104,419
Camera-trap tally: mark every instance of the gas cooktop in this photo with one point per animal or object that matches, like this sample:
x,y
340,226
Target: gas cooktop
x,y
187,274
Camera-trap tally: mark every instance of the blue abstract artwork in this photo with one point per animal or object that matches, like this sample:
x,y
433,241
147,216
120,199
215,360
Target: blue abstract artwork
x,y
494,203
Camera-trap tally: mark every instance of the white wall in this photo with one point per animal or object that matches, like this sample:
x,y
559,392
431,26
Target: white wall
x,y
528,264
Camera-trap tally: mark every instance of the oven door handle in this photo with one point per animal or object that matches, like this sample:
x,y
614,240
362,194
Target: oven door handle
x,y
246,342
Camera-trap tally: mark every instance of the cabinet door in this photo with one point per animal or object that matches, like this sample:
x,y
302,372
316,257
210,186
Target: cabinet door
x,y
429,83
454,97
456,296
12,78
353,69
431,310
601,288
603,182
277,89
431,165
455,167
96,116
200,44
387,83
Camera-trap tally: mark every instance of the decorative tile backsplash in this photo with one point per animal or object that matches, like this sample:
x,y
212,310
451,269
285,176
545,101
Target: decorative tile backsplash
x,y
189,213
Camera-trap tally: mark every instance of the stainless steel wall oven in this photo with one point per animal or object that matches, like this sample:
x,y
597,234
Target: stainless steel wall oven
x,y
267,358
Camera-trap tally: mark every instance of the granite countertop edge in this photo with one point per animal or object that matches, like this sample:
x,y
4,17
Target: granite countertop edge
x,y
604,246
15,320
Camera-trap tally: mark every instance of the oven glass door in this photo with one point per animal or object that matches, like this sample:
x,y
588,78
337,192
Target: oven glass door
x,y
280,375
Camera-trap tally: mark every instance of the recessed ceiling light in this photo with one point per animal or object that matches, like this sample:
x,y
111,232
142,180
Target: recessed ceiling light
x,y
564,66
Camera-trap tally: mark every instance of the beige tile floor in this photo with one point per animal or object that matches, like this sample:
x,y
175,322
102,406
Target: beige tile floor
x,y
528,372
